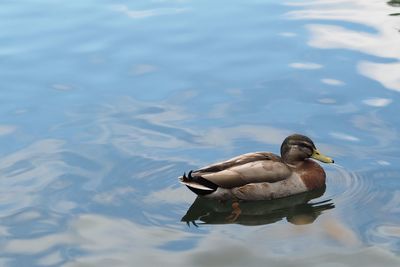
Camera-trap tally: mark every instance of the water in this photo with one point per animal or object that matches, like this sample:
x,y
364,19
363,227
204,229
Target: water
x,y
104,104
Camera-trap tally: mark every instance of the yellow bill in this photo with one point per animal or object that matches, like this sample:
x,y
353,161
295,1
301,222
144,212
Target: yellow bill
x,y
319,156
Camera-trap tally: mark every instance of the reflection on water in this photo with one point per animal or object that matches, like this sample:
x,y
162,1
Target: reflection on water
x,y
295,209
379,38
101,112
394,3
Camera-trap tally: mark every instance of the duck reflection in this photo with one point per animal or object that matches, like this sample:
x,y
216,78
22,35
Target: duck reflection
x,y
296,209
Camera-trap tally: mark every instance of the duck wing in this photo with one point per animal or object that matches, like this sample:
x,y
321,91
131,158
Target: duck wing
x,y
248,168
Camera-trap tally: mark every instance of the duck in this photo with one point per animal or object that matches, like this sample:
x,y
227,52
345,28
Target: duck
x,y
262,175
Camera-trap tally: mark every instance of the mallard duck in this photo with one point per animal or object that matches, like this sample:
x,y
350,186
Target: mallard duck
x,y
262,175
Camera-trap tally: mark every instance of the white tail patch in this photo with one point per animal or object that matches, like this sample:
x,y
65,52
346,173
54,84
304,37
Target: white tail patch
x,y
196,185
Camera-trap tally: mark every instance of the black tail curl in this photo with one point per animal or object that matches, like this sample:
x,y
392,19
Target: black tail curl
x,y
200,180
190,177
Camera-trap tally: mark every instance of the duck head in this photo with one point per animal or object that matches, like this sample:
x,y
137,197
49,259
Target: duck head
x,y
296,148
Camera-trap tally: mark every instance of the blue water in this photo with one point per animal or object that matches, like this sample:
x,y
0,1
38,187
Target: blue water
x,y
104,104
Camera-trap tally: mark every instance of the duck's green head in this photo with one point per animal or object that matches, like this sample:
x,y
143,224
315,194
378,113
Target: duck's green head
x,y
296,148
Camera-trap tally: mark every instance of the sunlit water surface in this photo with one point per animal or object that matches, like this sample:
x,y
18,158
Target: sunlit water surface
x,y
104,103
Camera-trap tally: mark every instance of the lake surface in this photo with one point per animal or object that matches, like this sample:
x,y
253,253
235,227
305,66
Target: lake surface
x,y
105,103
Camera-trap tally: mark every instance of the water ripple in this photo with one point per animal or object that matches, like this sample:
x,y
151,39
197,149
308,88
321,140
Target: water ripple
x,y
350,187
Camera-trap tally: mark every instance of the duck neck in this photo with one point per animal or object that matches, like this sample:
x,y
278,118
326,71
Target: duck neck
x,y
295,165
293,161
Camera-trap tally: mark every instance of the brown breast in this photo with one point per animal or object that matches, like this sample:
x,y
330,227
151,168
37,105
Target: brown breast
x,y
312,174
